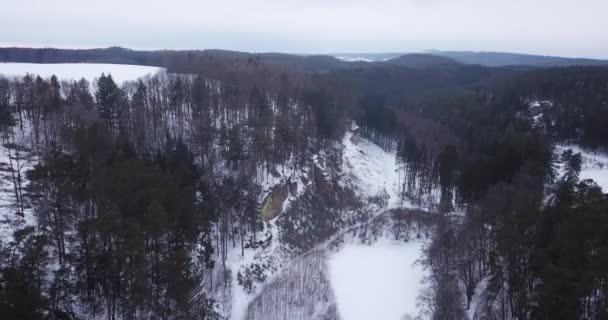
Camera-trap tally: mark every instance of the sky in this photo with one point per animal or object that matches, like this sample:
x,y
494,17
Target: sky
x,y
573,28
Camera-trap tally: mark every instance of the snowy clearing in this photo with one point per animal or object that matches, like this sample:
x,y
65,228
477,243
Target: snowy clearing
x,y
378,281
595,165
76,71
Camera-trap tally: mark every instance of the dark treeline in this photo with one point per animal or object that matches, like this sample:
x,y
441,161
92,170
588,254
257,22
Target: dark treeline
x,y
470,144
574,104
140,187
107,55
536,260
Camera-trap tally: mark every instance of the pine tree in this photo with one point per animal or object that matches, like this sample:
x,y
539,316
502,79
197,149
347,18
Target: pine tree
x,y
108,99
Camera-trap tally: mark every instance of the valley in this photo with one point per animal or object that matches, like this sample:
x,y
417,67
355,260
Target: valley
x,y
250,190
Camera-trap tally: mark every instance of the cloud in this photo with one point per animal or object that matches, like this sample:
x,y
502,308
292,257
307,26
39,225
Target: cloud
x,y
560,27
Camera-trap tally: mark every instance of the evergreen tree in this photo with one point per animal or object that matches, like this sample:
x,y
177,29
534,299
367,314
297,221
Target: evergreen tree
x,y
108,97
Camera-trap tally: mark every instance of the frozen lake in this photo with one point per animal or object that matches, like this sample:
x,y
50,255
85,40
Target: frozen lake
x,y
76,71
378,281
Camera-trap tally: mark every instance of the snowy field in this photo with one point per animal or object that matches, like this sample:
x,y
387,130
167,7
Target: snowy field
x,y
378,281
364,272
76,71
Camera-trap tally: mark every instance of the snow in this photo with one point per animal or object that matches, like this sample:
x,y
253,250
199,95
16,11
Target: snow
x,y
537,108
378,281
370,169
361,272
10,221
76,71
240,299
595,165
535,103
476,307
354,59
325,282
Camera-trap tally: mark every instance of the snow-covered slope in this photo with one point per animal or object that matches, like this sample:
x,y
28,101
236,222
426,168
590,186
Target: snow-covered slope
x,y
370,170
76,71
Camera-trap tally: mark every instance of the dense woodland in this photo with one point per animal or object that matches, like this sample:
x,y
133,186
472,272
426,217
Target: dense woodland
x,y
138,187
133,181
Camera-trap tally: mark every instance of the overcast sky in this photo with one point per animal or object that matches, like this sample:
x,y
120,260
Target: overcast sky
x,y
552,27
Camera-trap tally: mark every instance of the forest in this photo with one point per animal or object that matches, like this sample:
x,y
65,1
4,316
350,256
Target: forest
x,y
139,190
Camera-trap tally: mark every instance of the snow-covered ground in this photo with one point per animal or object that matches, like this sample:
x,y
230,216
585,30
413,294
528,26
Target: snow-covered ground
x,y
76,71
370,170
476,309
354,59
378,281
595,165
14,163
363,272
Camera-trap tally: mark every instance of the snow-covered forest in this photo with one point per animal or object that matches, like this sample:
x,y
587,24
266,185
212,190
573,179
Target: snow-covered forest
x,y
253,189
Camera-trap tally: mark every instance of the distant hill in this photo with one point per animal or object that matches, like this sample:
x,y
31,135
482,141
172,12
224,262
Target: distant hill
x,y
367,57
185,61
177,60
114,55
421,60
499,59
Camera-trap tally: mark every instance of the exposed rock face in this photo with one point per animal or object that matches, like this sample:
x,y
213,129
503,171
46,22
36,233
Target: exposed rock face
x,y
272,206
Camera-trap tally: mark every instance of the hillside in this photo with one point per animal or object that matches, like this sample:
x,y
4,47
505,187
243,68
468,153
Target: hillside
x,y
115,55
420,60
499,59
